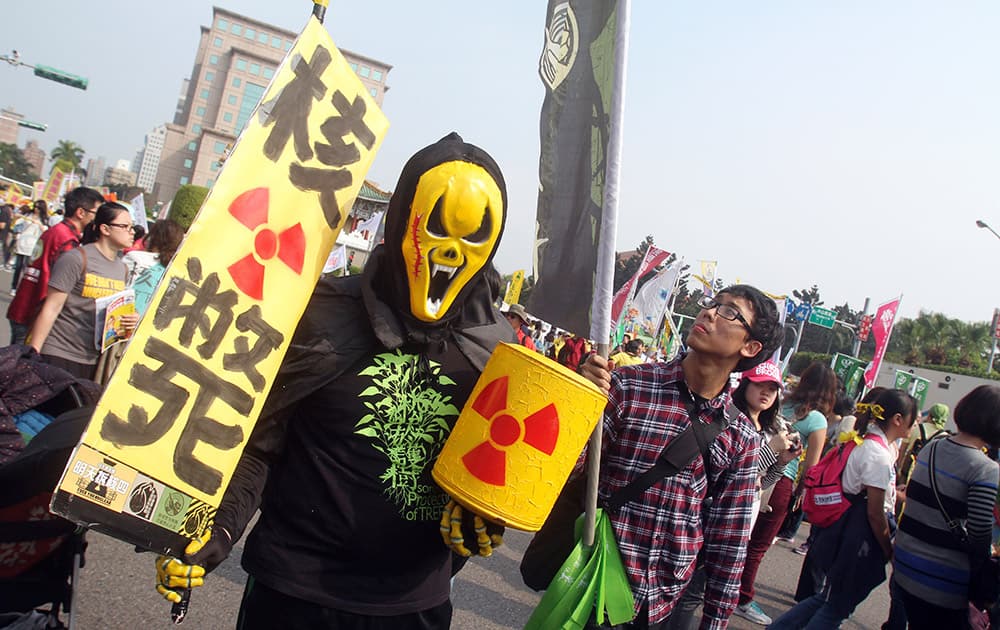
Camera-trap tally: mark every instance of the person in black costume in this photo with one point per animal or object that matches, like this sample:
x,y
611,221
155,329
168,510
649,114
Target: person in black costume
x,y
377,372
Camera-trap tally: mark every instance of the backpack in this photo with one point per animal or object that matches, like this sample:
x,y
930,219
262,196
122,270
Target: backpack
x,y
824,501
922,440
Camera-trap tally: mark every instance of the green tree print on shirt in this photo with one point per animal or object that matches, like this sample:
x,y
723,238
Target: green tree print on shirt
x,y
408,421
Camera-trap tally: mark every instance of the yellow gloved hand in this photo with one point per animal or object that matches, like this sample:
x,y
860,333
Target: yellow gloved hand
x,y
173,574
456,526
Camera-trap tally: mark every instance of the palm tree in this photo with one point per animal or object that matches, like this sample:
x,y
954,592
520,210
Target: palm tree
x,y
68,151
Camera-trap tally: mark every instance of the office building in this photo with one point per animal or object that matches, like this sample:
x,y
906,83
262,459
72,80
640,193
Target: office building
x,y
95,172
119,175
35,155
147,161
236,58
8,125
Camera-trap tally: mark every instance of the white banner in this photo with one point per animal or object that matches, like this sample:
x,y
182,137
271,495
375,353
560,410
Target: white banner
x,y
651,299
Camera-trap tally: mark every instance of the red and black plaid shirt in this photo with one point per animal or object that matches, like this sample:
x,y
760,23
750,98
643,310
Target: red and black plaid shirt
x,y
661,534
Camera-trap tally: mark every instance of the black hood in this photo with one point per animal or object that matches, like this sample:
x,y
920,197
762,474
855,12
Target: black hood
x,y
391,284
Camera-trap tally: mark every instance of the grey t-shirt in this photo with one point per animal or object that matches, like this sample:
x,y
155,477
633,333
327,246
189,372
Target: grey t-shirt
x,y
72,335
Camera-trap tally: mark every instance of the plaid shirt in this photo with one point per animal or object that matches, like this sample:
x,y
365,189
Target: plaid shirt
x,y
661,534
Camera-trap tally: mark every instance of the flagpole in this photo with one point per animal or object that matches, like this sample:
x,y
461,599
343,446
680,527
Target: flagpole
x,y
600,324
319,9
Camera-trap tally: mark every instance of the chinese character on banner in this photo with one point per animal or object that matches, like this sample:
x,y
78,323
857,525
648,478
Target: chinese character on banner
x,y
185,397
864,327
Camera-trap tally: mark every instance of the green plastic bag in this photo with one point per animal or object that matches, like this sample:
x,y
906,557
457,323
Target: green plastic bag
x,y
590,584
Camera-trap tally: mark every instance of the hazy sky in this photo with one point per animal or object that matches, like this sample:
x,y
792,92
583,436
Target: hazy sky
x,y
849,144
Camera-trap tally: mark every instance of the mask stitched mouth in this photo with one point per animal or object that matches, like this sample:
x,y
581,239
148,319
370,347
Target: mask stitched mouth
x,y
441,279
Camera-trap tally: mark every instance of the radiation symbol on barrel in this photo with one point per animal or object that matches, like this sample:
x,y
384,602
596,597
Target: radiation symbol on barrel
x,y
540,430
288,245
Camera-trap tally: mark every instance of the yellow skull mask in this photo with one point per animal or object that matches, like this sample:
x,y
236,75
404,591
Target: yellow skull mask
x,y
453,227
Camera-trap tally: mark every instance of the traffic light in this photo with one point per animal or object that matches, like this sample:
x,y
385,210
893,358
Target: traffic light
x,y
33,125
59,76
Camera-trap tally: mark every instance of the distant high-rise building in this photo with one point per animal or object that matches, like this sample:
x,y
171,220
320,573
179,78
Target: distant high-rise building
x,y
148,160
95,172
236,59
35,156
117,176
8,125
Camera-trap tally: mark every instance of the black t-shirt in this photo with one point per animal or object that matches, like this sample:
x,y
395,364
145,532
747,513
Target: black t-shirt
x,y
350,517
5,217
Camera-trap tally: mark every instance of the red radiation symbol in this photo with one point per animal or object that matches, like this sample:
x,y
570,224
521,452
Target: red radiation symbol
x,y
250,209
488,461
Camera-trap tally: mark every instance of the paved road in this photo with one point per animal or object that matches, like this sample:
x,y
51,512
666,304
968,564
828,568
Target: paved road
x,y
116,591
116,586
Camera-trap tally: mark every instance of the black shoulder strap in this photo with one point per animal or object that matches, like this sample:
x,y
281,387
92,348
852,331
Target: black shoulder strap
x,y
679,452
954,526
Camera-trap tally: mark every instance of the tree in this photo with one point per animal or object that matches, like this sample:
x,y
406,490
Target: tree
x,y
808,296
13,164
69,151
186,204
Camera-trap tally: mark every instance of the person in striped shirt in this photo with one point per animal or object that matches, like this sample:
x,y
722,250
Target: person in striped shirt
x,y
935,569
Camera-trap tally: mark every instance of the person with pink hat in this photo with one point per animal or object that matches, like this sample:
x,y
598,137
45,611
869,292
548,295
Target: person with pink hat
x,y
758,397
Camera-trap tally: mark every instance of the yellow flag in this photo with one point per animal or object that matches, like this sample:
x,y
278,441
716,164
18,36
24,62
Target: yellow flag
x,y
183,401
514,290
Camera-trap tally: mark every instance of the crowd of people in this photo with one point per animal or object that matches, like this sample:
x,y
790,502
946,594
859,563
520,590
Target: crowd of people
x,y
94,250
940,557
326,473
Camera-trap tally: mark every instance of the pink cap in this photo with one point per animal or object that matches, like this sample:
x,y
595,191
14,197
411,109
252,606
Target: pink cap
x,y
765,372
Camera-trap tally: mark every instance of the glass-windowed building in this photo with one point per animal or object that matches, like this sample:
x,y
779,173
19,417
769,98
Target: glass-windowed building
x,y
236,59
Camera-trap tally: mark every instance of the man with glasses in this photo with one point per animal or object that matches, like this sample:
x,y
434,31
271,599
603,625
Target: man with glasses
x,y
80,207
701,514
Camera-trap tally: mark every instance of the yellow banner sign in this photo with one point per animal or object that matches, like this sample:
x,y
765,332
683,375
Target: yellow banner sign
x,y
185,397
514,289
54,186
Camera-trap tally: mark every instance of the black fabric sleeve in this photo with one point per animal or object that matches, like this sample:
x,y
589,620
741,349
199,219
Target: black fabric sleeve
x,y
243,495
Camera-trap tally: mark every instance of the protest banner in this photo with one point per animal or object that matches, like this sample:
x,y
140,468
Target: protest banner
x,y
850,371
169,430
913,385
650,302
54,185
882,325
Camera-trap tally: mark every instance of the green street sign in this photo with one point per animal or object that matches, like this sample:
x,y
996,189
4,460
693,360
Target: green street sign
x,y
824,317
33,125
60,76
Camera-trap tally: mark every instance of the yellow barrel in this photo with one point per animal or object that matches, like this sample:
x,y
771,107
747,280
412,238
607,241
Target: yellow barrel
x,y
518,437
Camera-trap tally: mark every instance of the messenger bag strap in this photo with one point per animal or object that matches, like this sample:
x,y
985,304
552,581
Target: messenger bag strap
x,y
677,455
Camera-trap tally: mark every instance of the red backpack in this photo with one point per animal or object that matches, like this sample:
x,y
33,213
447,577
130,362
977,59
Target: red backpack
x,y
824,501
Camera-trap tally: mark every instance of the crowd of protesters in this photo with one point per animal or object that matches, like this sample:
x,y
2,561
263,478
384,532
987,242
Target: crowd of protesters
x,y
63,261
941,559
922,498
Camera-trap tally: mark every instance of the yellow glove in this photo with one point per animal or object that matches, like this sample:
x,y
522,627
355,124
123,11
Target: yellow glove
x,y
172,573
452,520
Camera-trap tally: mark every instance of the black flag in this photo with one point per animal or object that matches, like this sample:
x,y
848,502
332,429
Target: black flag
x,y
577,68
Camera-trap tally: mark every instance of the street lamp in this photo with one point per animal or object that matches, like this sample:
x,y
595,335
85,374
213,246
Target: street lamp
x,y
982,224
993,344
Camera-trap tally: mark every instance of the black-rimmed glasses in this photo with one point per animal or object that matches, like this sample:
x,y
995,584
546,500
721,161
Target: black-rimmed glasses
x,y
725,311
124,226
